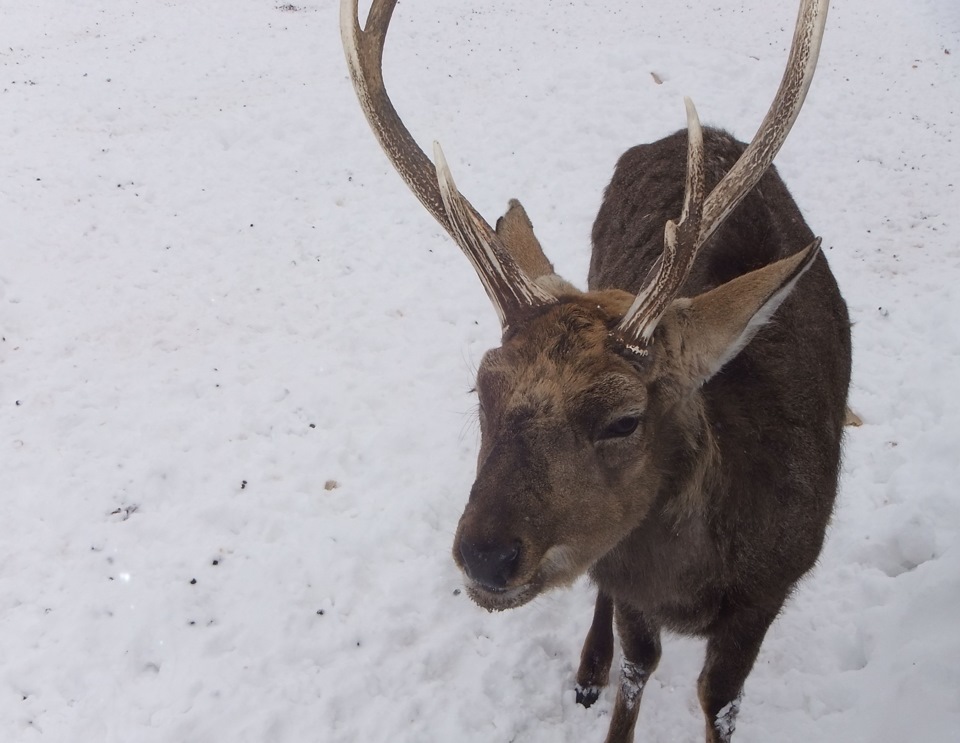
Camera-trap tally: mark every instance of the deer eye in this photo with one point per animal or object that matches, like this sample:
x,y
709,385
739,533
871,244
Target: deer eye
x,y
621,427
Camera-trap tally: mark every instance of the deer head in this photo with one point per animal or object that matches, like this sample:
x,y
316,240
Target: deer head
x,y
591,402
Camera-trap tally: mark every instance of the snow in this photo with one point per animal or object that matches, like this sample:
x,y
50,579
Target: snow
x,y
725,723
632,680
236,353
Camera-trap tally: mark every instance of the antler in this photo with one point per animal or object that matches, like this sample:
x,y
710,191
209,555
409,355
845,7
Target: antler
x,y
681,241
700,219
508,287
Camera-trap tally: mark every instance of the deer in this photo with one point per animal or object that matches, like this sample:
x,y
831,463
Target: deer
x,y
673,432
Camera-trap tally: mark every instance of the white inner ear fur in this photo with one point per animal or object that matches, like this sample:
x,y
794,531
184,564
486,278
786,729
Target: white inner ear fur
x,y
556,285
711,365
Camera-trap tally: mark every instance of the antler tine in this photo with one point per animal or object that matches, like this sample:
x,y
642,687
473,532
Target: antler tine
x,y
680,245
700,219
499,278
508,287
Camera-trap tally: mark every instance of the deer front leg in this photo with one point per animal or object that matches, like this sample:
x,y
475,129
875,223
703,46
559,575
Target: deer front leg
x,y
731,651
640,642
597,653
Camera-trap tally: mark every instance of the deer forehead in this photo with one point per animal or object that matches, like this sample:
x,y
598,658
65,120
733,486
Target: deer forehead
x,y
560,366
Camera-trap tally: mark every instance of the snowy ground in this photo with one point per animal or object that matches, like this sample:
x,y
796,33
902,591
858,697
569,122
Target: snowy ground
x,y
236,434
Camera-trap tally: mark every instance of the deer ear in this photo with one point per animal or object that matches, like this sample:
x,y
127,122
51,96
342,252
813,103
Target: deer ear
x,y
516,231
717,325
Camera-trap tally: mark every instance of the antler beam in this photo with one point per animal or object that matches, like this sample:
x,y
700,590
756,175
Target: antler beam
x,y
509,288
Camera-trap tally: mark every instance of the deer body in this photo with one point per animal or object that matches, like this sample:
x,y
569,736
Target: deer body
x,y
675,430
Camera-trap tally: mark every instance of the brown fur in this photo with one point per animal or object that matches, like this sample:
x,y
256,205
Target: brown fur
x,y
703,518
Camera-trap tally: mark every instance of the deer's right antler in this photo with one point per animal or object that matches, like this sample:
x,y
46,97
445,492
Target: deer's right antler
x,y
509,288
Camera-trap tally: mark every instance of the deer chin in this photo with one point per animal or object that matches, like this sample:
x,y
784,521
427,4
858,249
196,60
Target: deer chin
x,y
501,599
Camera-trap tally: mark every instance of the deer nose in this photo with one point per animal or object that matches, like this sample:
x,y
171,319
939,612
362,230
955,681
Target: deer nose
x,y
490,564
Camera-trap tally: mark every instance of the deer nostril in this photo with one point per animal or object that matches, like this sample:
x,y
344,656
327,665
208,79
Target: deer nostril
x,y
490,564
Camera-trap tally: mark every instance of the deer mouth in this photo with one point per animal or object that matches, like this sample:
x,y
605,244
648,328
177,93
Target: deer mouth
x,y
500,599
559,566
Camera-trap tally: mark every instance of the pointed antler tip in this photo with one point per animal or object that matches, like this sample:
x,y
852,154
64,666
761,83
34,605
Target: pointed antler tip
x,y
444,176
693,118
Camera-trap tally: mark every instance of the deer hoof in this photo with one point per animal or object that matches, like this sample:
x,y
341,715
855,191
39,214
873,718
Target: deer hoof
x,y
587,695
